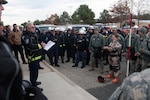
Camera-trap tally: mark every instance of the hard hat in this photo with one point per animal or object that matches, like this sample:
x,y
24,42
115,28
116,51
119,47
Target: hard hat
x,y
62,29
135,27
114,27
57,29
81,31
50,28
69,28
83,28
91,27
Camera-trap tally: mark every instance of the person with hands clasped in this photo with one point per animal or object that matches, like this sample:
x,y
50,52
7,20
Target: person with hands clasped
x,y
139,46
114,49
145,53
81,49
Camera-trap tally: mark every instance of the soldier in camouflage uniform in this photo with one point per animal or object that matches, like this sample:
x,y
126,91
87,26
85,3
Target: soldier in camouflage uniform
x,y
114,49
134,87
97,42
121,38
145,52
134,39
142,33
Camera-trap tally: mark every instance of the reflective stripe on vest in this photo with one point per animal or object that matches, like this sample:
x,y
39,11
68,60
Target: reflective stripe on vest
x,y
34,59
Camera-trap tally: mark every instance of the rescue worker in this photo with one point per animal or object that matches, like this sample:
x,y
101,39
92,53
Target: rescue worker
x,y
53,51
42,38
81,49
13,87
62,45
97,42
70,43
88,35
33,50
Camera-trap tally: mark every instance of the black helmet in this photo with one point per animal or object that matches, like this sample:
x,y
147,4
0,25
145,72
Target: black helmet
x,y
3,2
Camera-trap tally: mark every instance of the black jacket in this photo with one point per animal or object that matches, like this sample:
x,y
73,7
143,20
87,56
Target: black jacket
x,y
32,46
82,44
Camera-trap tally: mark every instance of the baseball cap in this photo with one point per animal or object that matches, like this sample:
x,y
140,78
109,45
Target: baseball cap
x,y
96,29
3,2
143,30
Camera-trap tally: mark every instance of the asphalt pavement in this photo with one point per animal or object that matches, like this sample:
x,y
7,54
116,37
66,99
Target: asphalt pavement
x,y
88,79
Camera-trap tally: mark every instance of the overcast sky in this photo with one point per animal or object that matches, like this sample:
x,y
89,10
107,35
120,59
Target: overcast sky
x,y
19,11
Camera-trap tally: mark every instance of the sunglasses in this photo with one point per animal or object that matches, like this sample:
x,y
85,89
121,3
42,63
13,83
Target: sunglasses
x,y
33,27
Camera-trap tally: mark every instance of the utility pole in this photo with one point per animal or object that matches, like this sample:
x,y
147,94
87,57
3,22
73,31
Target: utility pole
x,y
70,8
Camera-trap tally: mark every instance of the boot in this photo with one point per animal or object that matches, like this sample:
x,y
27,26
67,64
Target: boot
x,y
115,80
109,76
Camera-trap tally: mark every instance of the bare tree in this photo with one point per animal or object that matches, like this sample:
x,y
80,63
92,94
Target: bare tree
x,y
52,19
142,7
120,10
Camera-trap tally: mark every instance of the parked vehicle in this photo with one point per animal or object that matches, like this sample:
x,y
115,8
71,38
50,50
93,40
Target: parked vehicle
x,y
45,27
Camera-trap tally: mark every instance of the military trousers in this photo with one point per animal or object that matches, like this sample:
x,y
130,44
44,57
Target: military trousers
x,y
145,64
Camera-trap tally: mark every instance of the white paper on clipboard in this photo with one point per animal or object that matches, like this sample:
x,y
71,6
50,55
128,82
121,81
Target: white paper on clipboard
x,y
49,45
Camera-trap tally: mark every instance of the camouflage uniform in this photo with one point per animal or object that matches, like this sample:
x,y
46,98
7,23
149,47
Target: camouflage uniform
x,y
97,42
145,50
134,87
121,39
114,58
138,47
134,39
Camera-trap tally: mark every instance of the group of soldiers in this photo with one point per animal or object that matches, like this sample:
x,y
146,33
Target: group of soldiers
x,y
89,46
96,42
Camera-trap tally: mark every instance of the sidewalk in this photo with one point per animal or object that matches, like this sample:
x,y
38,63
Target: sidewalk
x,y
57,86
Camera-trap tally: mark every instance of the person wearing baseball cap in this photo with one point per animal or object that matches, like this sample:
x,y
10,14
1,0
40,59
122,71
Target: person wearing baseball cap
x,y
3,1
1,23
141,47
12,87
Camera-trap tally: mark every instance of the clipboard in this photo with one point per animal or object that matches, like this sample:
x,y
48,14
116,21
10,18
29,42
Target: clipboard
x,y
49,45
